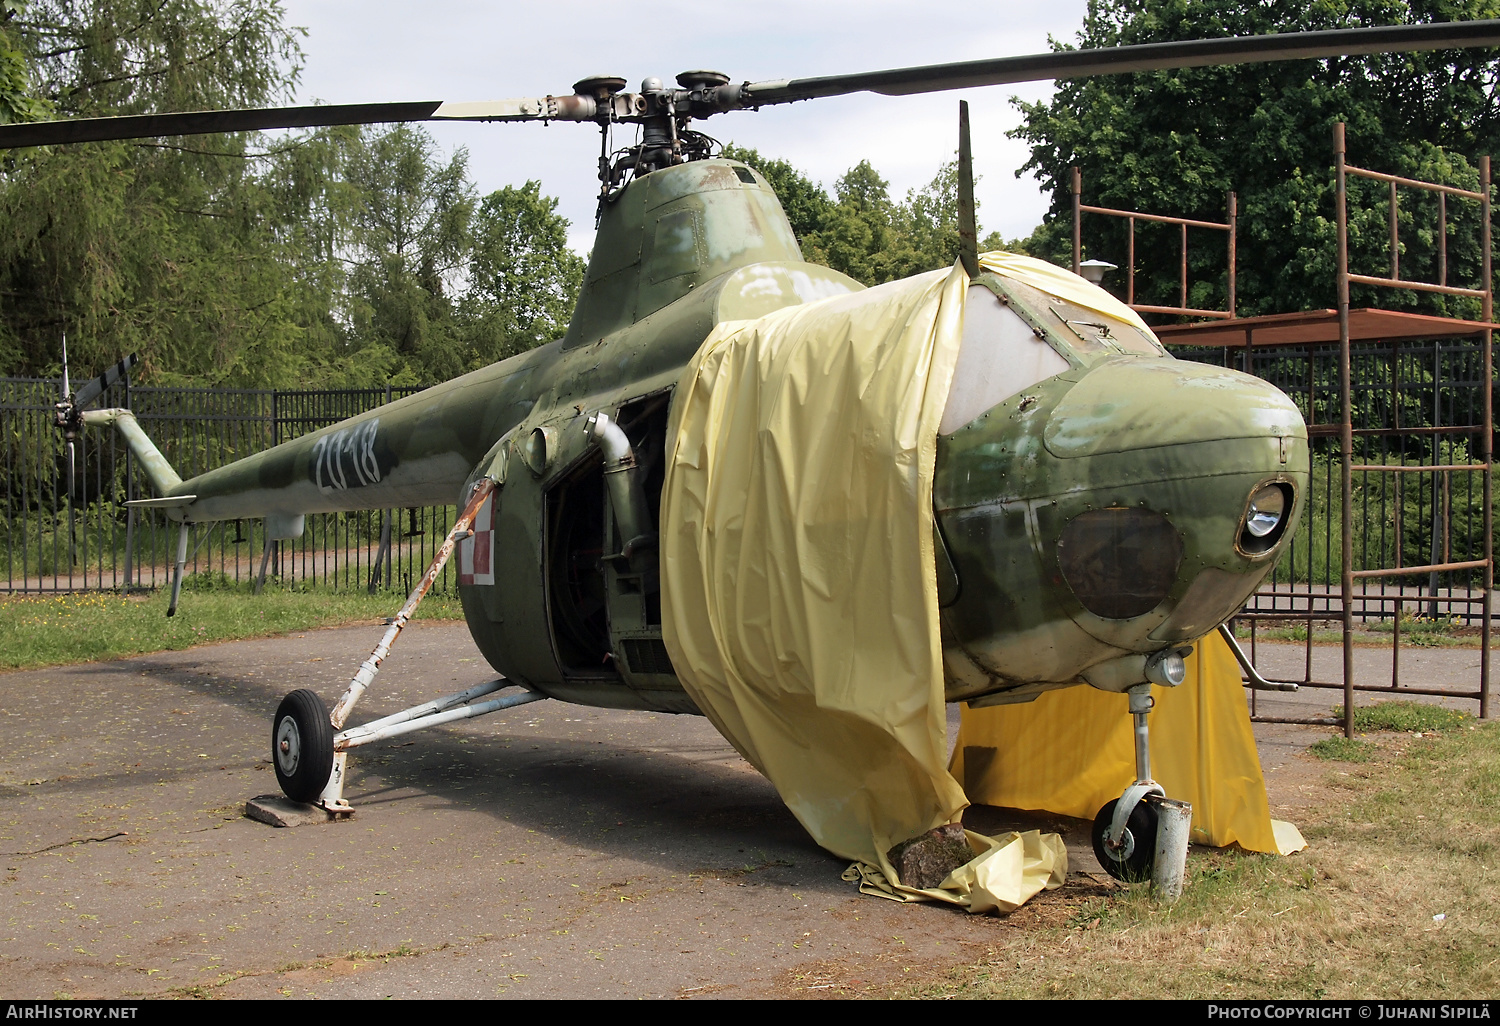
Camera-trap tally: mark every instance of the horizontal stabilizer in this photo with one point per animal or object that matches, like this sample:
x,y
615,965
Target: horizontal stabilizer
x,y
166,502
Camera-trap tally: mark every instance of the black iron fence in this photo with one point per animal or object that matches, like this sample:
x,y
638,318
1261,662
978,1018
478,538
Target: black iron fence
x,y
54,537
1413,403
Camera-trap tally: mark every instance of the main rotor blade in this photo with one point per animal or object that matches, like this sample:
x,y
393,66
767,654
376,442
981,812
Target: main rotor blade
x,y
88,393
207,122
1119,60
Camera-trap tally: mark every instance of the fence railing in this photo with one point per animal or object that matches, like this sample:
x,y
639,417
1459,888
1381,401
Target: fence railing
x,y
54,539
1418,405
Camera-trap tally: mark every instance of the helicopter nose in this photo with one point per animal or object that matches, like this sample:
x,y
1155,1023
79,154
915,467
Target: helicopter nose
x,y
1144,404
1200,488
1120,509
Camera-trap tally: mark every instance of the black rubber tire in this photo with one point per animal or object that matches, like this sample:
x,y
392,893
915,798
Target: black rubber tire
x,y
305,764
1139,843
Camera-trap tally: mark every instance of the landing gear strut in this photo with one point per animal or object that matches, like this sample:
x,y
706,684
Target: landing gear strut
x,y
309,745
1143,835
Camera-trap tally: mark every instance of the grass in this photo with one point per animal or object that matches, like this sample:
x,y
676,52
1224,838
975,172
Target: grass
x,y
89,627
1343,749
1404,717
1416,632
1397,896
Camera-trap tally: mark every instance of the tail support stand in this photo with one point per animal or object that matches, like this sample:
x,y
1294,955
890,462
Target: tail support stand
x,y
265,559
182,540
332,798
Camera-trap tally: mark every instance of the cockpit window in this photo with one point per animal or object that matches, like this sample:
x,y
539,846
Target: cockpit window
x,y
1099,332
1087,332
1000,355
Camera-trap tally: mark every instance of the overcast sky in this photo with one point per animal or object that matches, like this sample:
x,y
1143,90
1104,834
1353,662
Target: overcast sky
x,y
370,50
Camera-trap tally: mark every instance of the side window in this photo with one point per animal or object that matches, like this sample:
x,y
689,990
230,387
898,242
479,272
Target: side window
x,y
1098,332
1000,356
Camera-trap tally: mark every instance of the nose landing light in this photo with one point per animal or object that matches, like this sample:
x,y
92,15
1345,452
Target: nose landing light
x,y
1168,668
1264,521
1266,507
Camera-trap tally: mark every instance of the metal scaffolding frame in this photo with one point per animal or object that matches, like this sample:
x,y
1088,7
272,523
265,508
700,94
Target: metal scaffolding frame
x,y
1306,340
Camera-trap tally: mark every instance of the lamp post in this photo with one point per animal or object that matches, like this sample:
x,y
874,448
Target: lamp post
x,y
1093,270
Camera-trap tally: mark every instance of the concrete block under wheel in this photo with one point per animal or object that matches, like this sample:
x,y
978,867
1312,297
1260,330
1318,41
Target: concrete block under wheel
x,y
280,811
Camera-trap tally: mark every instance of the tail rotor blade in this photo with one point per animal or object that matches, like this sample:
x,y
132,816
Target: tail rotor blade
x,y
91,391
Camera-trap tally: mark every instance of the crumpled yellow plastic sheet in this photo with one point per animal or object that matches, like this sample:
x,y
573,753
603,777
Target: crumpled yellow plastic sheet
x,y
799,597
1071,751
1063,284
1005,872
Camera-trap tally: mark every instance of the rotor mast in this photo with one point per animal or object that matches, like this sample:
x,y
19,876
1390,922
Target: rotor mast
x,y
664,114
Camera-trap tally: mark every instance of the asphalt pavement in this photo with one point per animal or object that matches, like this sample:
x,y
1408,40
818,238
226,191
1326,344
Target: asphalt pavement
x,y
547,851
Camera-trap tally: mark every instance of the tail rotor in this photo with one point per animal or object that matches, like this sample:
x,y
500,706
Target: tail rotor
x,y
68,412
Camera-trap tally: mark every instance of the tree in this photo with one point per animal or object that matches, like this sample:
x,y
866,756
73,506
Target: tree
x,y
1177,141
347,256
860,230
523,279
407,238
150,246
17,99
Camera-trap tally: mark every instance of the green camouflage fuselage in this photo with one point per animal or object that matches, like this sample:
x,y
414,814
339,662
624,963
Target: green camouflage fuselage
x,y
1157,457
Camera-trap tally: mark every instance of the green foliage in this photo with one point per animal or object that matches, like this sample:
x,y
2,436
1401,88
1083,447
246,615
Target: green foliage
x,y
860,230
406,232
346,256
17,99
152,246
1177,141
524,280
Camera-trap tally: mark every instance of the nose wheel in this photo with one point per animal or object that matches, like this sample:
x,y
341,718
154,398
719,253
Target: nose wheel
x,y
1133,857
1143,835
302,745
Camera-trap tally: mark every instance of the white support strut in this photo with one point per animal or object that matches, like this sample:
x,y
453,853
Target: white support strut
x,y
437,704
1253,679
371,666
379,731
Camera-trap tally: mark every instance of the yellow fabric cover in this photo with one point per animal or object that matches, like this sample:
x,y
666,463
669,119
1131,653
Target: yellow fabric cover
x,y
1072,750
799,596
1005,872
1063,284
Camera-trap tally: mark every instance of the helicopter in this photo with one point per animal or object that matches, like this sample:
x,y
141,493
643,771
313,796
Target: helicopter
x,y
1099,506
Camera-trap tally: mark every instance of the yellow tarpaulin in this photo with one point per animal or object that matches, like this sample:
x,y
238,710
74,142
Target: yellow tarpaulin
x,y
799,594
1055,281
799,598
1070,751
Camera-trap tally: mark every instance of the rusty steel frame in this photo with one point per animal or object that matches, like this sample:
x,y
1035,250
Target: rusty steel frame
x,y
1342,171
1441,560
1184,223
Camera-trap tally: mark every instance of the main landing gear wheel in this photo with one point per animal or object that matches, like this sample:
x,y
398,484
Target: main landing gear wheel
x,y
302,745
1132,861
